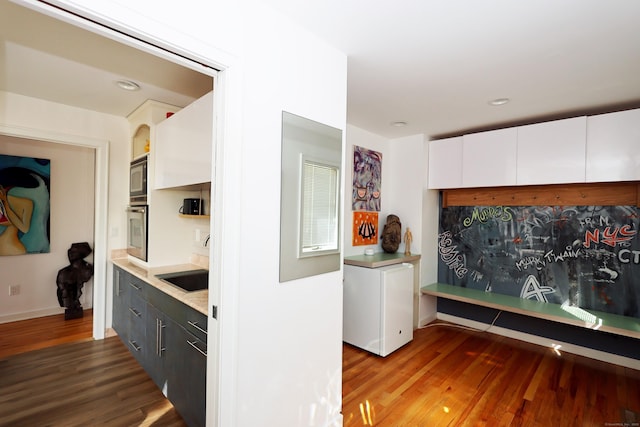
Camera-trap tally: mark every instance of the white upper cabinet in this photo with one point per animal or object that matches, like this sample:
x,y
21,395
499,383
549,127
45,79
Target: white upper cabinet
x,y
613,147
552,152
183,146
489,158
445,163
600,148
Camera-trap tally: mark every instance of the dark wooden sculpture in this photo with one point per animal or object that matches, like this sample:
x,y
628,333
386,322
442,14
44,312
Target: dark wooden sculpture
x,y
71,279
391,236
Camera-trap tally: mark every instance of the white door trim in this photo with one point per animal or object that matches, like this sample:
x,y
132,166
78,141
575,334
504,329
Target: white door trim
x,y
101,148
226,178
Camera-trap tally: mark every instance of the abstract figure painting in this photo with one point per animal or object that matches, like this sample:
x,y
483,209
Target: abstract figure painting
x,y
365,228
367,179
24,205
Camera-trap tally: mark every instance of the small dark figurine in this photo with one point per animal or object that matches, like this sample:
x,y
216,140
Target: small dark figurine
x,y
391,236
71,278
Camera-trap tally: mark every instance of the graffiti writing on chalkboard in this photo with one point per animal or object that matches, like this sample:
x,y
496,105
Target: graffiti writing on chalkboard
x,y
579,256
610,236
487,213
450,255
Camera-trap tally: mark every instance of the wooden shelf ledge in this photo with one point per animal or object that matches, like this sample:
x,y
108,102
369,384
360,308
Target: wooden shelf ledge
x,y
596,194
591,319
195,216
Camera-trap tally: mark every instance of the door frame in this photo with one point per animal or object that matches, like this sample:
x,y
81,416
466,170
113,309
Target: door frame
x,y
226,178
101,196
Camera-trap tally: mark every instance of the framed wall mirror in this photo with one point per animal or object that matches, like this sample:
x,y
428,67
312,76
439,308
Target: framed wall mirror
x,y
310,195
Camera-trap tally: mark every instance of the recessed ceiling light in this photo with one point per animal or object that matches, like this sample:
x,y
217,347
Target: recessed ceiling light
x,y
398,124
499,101
128,85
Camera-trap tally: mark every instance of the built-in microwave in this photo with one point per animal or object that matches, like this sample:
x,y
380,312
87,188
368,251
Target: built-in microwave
x,y
138,182
137,231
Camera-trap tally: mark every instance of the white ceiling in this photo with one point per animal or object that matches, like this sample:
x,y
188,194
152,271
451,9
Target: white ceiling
x,y
45,58
434,64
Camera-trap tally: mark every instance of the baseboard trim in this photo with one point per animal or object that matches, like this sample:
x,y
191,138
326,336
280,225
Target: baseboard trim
x,y
31,314
427,319
110,332
545,342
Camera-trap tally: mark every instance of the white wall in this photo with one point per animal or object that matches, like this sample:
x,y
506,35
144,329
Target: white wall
x,y
281,344
290,334
72,198
404,194
429,261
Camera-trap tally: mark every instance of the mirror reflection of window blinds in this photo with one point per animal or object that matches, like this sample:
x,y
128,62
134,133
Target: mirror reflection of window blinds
x,y
319,207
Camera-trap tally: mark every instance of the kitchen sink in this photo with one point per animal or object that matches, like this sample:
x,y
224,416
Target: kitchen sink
x,y
192,280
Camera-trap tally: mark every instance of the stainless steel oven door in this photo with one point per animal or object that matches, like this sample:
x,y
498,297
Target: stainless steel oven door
x,y
137,231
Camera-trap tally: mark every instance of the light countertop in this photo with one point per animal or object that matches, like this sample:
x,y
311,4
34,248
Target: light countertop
x,y
198,300
380,259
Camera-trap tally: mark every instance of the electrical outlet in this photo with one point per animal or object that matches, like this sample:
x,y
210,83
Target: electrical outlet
x,y
14,290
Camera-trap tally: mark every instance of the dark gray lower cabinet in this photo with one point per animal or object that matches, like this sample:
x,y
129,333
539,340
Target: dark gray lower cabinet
x,y
138,344
120,304
171,343
187,369
157,337
129,312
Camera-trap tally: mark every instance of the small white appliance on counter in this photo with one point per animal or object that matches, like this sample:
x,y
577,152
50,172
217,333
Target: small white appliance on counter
x,y
378,307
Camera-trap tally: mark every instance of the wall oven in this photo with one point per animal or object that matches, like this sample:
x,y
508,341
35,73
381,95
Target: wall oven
x,y
138,182
137,231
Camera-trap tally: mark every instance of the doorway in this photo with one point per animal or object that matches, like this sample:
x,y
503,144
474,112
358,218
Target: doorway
x,y
112,156
85,74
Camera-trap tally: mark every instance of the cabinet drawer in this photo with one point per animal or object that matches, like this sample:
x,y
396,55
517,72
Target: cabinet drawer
x,y
197,347
137,311
137,328
135,286
187,317
196,323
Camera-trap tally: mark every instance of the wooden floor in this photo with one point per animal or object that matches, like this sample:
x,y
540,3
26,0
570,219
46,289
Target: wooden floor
x,y
452,377
42,332
445,377
81,383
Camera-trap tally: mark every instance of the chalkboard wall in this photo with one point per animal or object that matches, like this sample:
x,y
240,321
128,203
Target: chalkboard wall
x,y
584,256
